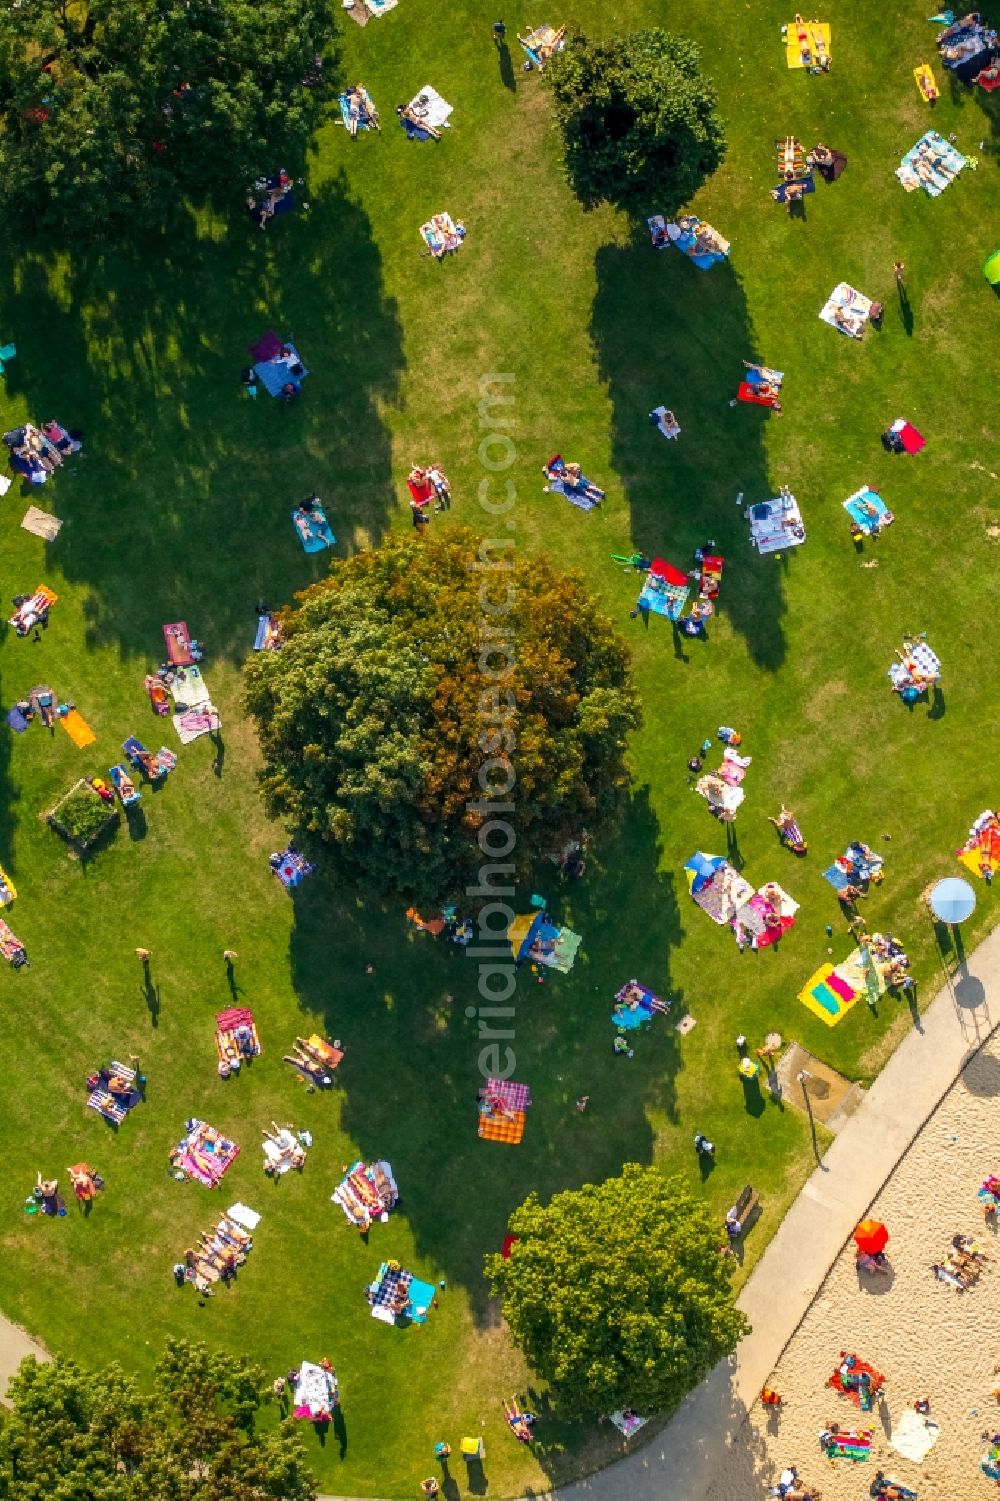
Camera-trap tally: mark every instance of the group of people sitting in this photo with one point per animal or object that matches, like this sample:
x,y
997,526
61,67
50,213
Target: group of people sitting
x,y
216,1257
36,452
963,1264
790,1487
265,196
968,47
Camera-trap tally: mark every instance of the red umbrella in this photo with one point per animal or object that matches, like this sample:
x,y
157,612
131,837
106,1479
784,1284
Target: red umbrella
x,y
871,1237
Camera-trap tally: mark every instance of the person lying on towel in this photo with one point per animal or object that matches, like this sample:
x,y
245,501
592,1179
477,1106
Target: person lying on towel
x,y
409,116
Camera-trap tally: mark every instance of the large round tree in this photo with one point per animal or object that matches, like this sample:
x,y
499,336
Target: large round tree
x,y
112,110
638,118
617,1293
421,692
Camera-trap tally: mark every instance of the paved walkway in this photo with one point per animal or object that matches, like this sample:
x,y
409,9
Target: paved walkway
x,y
681,1462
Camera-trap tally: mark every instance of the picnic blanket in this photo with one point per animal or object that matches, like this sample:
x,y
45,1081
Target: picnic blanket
x,y
827,995
277,371
636,1005
580,492
807,44
542,43
512,1096
902,434
428,107
204,1154
365,120
41,524
315,1393
981,851
801,186
694,237
268,636
932,164
236,1034
776,524
852,306
921,667
178,641
367,1192
913,1436
765,918
187,687
313,528
856,1446
36,604
11,947
508,1129
193,723
721,897
627,1422
77,728
859,864
441,234
869,511
926,82
666,590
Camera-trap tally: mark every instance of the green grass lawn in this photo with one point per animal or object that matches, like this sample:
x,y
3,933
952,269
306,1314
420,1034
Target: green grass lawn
x,y
179,509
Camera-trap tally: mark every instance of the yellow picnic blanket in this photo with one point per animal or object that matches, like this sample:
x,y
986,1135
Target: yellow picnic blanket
x,y
926,82
813,36
77,729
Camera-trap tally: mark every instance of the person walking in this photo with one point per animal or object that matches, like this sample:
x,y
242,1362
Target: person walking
x,y
899,271
499,33
143,955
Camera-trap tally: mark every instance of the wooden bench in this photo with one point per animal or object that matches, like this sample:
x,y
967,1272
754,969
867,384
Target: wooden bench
x,y
745,1207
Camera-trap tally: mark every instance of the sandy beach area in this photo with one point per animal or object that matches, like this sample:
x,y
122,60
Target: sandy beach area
x,y
928,1339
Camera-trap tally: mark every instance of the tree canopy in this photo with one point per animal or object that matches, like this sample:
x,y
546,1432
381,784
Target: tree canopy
x,y
73,1433
638,119
389,713
617,1293
112,110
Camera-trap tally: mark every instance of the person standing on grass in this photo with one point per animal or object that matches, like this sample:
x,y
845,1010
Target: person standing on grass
x,y
499,32
899,272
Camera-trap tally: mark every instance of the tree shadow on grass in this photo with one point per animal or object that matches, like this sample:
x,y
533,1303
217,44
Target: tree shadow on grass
x,y
667,333
411,1030
181,505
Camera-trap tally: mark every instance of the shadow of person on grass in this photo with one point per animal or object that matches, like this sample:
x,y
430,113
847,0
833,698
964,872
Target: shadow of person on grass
x,y
416,1020
152,338
666,332
506,64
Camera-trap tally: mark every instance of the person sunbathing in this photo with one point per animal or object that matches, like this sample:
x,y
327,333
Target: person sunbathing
x,y
367,106
408,115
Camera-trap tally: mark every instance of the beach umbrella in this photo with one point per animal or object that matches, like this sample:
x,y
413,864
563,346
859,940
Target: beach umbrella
x,y
953,900
992,269
871,1237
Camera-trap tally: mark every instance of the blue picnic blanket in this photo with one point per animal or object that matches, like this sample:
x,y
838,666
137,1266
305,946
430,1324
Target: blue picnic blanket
x,y
313,528
807,184
364,118
861,507
277,373
940,164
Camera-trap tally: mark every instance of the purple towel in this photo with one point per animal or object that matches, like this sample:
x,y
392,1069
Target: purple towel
x,y
267,347
17,721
